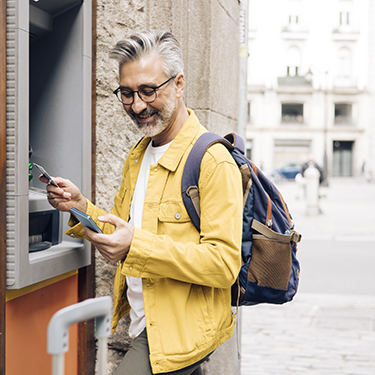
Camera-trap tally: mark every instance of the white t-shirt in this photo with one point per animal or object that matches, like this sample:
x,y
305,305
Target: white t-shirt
x,y
134,292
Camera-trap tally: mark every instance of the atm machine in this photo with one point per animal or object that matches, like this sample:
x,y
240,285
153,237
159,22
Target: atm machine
x,y
48,123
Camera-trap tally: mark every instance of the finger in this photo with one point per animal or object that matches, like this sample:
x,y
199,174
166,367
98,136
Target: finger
x,y
90,234
111,219
58,197
55,192
53,195
43,179
57,200
100,241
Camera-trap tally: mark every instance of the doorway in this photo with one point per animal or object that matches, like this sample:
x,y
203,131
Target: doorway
x,y
342,158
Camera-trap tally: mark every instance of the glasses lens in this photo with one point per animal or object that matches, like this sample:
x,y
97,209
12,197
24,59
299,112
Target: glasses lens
x,y
147,94
125,96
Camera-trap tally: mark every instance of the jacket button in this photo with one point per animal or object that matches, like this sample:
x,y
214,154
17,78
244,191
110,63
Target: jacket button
x,y
177,215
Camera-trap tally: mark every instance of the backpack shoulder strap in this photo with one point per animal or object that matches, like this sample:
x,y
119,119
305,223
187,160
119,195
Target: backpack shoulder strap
x,y
190,176
236,141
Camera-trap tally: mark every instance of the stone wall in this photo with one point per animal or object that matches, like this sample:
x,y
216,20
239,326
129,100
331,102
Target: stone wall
x,y
208,34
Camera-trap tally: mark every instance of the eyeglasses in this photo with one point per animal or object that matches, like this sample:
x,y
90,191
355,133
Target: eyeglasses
x,y
145,93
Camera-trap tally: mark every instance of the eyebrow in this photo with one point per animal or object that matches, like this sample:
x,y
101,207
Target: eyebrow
x,y
151,85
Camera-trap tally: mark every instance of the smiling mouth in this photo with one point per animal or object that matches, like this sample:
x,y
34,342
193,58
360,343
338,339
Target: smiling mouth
x,y
145,119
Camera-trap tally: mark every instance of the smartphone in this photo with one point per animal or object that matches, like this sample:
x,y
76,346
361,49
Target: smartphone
x,y
46,174
86,220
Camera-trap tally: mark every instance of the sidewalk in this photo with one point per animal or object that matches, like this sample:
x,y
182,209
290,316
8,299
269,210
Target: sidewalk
x,y
347,206
316,334
329,328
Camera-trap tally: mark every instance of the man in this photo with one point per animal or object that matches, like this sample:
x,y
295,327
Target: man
x,y
174,281
311,162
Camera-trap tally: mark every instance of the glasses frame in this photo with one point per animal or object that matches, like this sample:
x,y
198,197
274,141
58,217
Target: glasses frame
x,y
118,90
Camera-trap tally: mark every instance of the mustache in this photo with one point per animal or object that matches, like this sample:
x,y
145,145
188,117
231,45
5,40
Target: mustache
x,y
147,112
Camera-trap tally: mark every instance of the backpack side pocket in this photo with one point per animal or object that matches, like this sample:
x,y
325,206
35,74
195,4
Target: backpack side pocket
x,y
270,263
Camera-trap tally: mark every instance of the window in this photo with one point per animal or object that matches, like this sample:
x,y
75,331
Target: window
x,y
293,20
343,114
293,13
293,61
249,147
292,113
292,71
344,18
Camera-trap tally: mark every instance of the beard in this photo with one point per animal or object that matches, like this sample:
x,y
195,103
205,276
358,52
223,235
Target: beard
x,y
160,121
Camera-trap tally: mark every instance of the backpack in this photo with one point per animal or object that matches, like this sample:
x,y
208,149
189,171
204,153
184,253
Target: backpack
x,y
270,269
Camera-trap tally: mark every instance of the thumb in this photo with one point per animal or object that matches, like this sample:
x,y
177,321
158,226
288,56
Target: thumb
x,y
111,219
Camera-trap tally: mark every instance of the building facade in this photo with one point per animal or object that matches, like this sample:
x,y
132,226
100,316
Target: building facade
x,y
309,86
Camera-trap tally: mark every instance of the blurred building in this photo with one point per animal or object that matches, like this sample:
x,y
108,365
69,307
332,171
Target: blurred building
x,y
311,84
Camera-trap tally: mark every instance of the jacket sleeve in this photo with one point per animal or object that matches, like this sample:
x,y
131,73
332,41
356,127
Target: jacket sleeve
x,y
215,259
95,212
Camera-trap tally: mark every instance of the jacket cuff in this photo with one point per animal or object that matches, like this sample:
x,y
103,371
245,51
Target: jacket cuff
x,y
76,227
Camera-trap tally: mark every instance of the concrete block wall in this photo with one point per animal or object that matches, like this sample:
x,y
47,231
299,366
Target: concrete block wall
x,y
208,34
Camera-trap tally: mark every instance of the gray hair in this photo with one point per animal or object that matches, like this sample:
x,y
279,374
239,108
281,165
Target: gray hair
x,y
140,44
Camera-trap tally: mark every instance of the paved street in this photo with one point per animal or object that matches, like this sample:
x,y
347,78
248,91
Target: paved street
x,y
329,328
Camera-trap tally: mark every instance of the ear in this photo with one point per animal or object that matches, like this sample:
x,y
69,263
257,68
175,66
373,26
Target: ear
x,y
179,85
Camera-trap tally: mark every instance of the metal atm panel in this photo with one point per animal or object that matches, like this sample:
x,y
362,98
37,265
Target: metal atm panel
x,y
48,122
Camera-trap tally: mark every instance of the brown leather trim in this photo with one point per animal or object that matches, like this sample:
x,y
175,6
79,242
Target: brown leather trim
x,y
286,210
269,212
255,169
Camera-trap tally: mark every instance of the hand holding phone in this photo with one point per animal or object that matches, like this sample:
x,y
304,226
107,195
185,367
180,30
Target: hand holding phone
x,y
86,220
46,174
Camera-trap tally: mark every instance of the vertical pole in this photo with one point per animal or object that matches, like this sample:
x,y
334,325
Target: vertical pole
x,y
102,356
242,84
326,108
3,182
58,364
86,275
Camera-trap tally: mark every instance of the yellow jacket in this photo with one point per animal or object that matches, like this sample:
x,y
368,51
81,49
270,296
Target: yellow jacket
x,y
186,276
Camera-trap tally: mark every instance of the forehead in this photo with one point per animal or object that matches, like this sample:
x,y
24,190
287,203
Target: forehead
x,y
145,71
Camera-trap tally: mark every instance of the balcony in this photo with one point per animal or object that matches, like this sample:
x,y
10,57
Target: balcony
x,y
296,80
294,32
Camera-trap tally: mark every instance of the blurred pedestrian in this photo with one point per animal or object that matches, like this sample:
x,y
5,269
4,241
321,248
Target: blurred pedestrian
x,y
311,162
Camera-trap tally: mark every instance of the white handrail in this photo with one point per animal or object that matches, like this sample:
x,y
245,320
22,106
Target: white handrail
x,y
58,329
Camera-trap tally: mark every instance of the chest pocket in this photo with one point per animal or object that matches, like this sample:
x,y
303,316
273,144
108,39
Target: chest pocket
x,y
174,221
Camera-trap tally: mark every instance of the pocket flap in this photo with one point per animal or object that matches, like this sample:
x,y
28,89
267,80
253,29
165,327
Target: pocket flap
x,y
173,212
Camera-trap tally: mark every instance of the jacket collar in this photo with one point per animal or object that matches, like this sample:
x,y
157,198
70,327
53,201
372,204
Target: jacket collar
x,y
177,149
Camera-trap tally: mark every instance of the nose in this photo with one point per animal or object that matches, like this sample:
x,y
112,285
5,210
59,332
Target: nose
x,y
138,104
